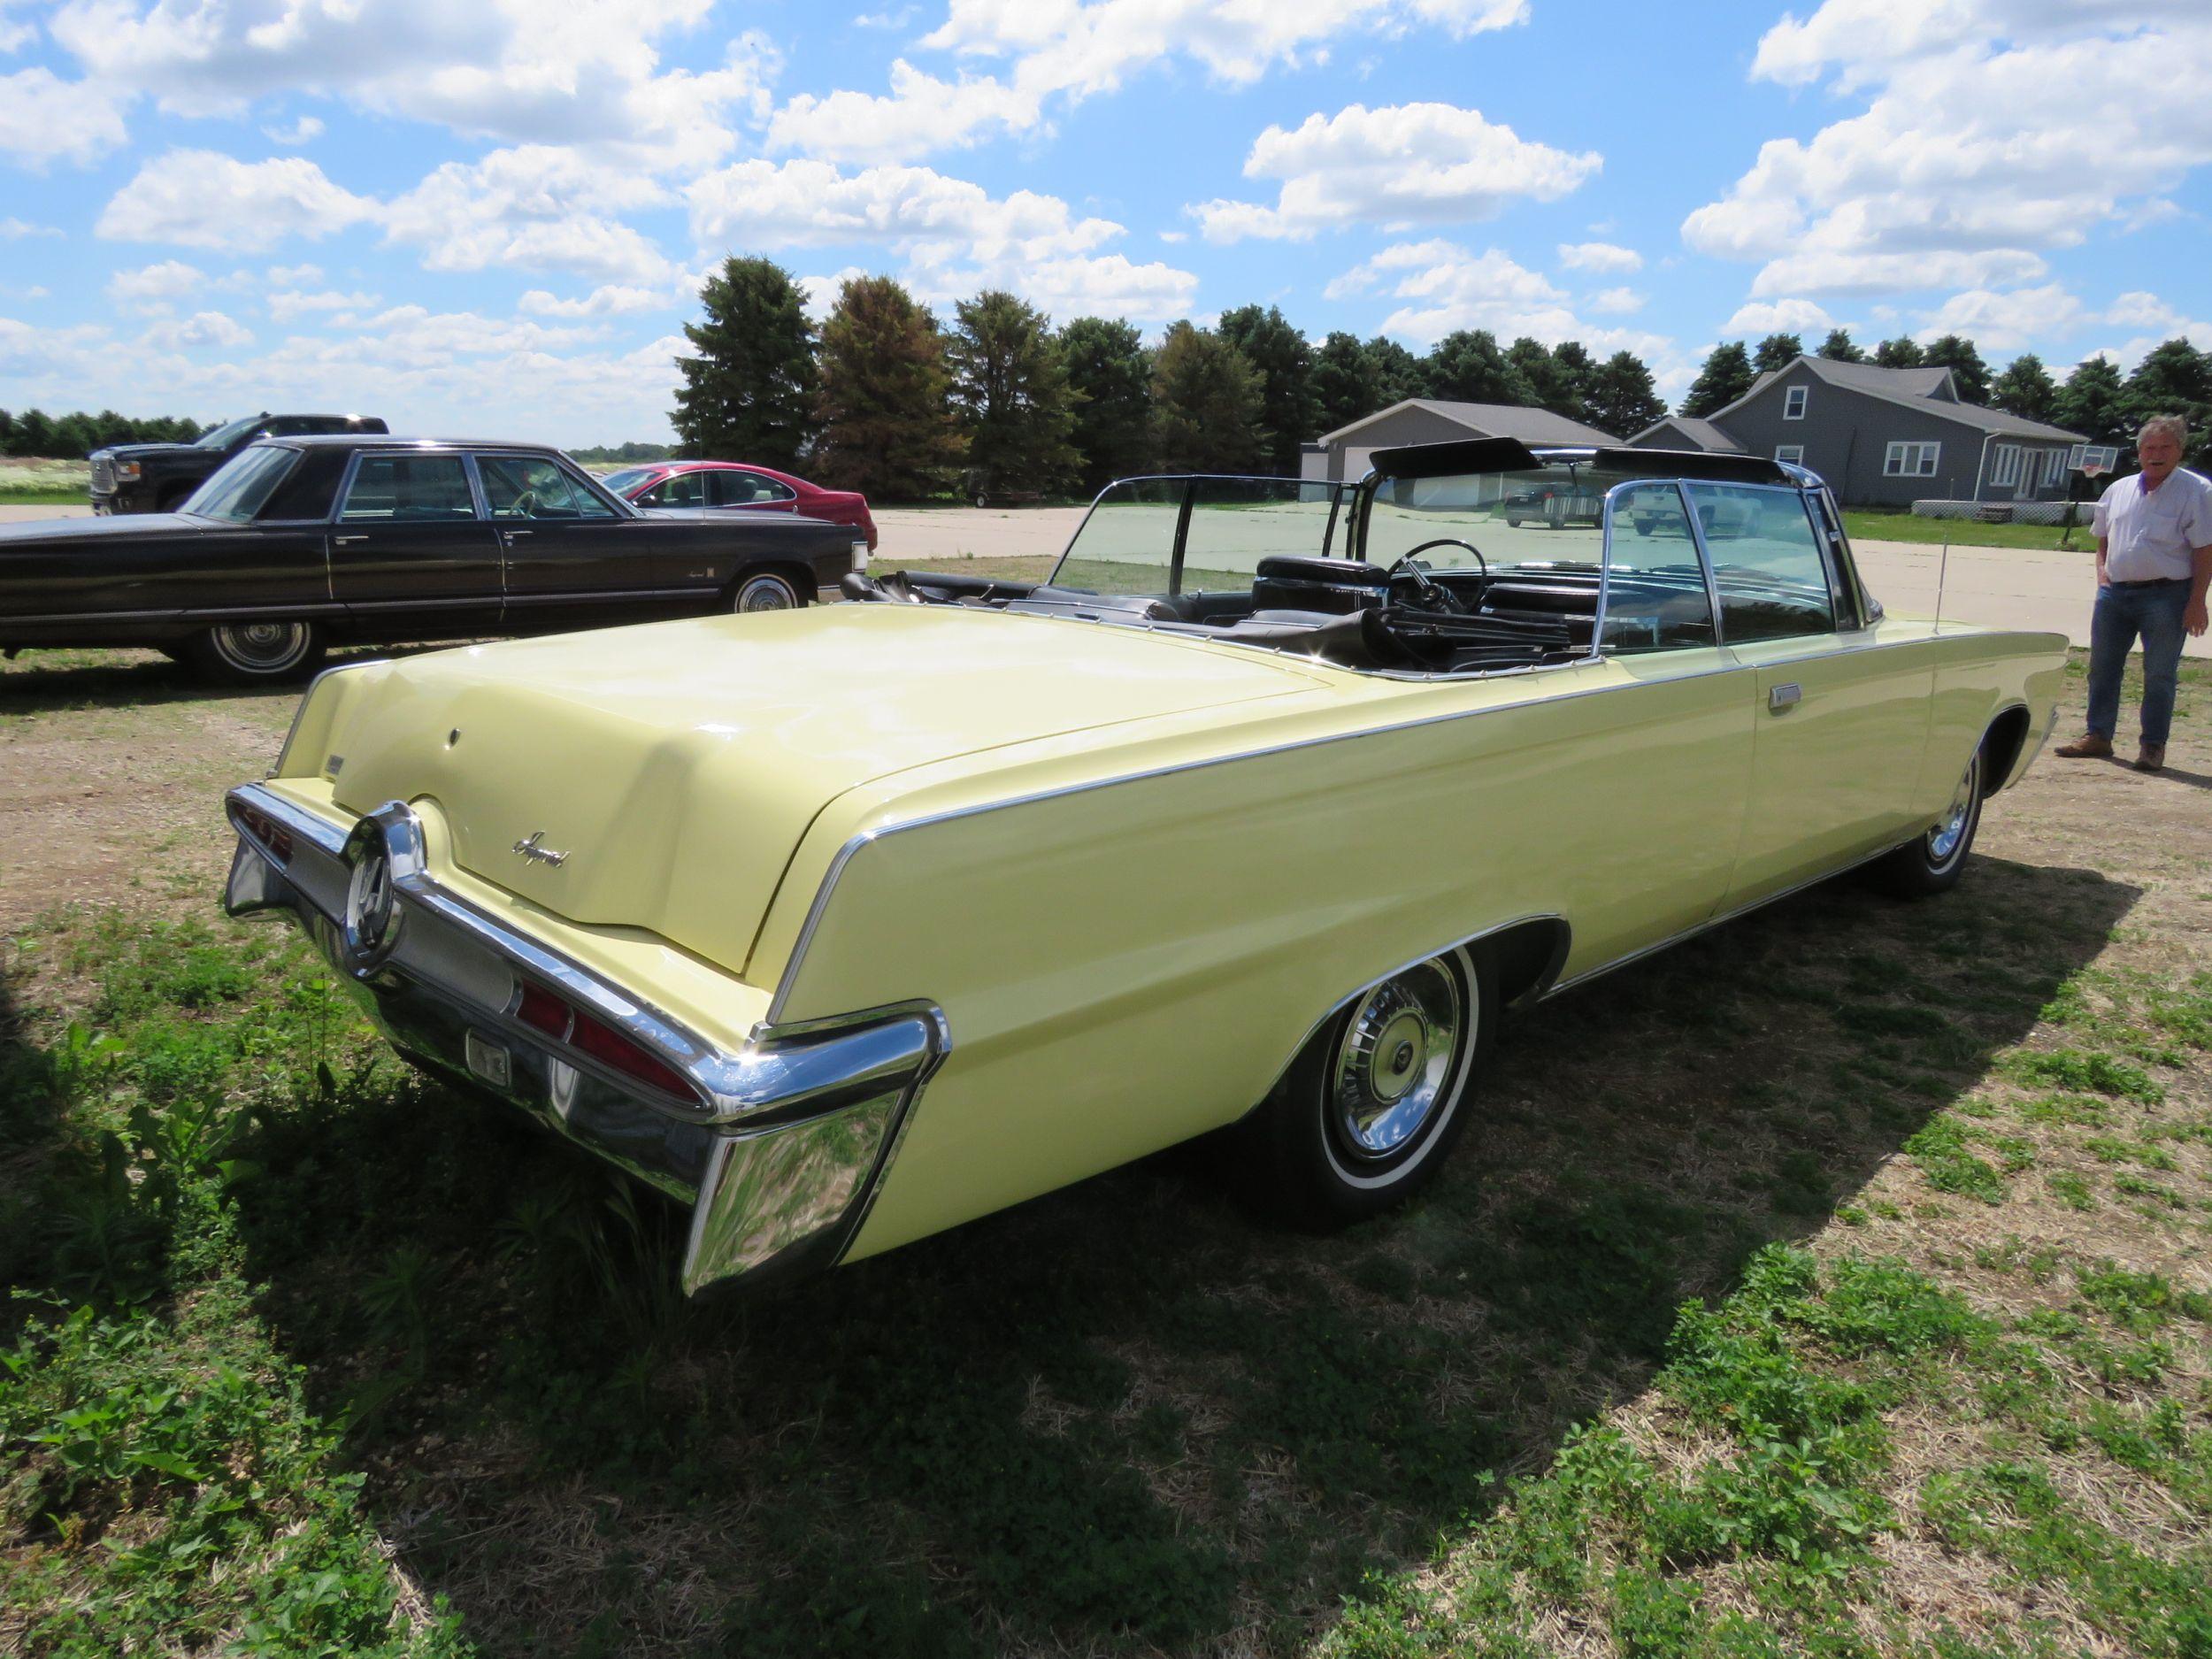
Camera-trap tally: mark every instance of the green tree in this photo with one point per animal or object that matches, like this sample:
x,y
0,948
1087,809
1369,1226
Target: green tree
x,y
34,435
748,393
1622,400
1576,372
1467,367
2026,388
1206,404
1400,374
886,425
2173,379
1903,352
1840,347
1531,361
1288,408
2094,403
1111,375
1776,351
1010,393
1347,382
1957,354
1724,377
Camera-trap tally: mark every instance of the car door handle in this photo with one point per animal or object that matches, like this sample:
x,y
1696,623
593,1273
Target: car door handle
x,y
1783,698
346,541
511,534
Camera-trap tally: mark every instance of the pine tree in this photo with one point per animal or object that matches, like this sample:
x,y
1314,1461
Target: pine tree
x,y
1572,363
1347,382
1467,367
1838,348
1901,353
1776,351
1957,354
1285,361
1725,377
1531,361
1622,400
885,428
1399,373
748,394
2173,379
1010,390
2094,403
2026,388
1110,374
1206,404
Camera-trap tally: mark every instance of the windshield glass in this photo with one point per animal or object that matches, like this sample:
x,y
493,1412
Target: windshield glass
x,y
223,437
623,481
1550,516
239,490
1127,543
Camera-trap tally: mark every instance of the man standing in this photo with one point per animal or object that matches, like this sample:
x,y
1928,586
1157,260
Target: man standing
x,y
2154,563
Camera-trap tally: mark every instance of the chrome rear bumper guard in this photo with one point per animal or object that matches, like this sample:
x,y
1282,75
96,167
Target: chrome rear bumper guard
x,y
780,1148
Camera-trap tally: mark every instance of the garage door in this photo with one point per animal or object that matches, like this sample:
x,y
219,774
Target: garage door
x,y
1355,462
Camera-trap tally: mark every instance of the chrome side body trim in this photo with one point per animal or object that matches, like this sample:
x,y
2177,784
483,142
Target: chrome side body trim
x,y
781,1147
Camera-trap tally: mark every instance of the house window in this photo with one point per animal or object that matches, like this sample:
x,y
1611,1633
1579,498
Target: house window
x,y
2007,467
1793,403
2074,458
1792,453
1911,460
2054,466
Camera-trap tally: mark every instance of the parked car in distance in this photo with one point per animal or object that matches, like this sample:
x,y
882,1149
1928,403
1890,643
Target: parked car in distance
x,y
846,926
728,484
300,542
980,486
1556,503
157,477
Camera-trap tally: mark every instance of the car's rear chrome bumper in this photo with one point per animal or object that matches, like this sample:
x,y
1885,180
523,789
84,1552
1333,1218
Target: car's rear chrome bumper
x,y
779,1148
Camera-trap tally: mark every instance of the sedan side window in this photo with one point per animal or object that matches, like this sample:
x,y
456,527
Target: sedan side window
x,y
521,487
1767,565
748,489
408,489
685,490
1656,598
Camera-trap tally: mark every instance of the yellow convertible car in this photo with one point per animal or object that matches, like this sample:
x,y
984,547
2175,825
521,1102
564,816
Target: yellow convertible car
x,y
847,925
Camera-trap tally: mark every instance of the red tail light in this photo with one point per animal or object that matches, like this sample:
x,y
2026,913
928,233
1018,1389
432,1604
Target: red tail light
x,y
547,1011
268,832
541,1010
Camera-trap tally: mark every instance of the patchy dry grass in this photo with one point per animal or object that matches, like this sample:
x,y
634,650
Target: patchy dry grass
x,y
1832,1284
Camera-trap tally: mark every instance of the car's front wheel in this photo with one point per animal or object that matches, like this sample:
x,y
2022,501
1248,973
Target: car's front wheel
x,y
1931,863
765,590
255,653
1367,1111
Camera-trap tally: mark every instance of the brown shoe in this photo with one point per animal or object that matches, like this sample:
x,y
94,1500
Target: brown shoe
x,y
2151,758
2088,746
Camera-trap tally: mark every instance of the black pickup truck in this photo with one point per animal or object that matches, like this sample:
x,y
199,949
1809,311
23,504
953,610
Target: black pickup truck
x,y
302,542
157,477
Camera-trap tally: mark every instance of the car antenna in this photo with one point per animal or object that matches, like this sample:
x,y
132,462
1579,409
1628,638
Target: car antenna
x,y
1943,570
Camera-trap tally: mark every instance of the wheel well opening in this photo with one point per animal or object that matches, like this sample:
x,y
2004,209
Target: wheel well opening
x,y
2007,733
1525,958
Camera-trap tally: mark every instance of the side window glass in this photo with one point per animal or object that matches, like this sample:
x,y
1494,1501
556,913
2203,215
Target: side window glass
x,y
1655,588
408,489
685,490
1767,565
519,487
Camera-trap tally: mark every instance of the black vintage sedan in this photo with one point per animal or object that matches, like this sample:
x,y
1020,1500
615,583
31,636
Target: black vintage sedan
x,y
300,542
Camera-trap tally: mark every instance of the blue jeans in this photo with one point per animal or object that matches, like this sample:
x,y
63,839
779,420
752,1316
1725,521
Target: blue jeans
x,y
2123,611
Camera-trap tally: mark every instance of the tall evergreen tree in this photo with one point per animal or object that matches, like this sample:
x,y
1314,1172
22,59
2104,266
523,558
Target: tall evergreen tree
x,y
1724,377
1776,351
1110,374
1532,362
1285,361
2094,403
1622,400
1347,382
1011,394
34,435
1957,354
747,395
1840,347
2173,379
1206,404
885,427
1399,373
1901,353
1467,367
2026,388
1573,363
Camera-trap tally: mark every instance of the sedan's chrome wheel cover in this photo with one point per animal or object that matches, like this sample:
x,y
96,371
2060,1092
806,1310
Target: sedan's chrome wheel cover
x,y
765,593
1950,830
262,648
1395,1062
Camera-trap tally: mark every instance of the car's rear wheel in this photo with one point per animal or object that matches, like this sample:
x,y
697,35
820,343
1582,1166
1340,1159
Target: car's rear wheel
x,y
766,590
1366,1113
1931,863
255,653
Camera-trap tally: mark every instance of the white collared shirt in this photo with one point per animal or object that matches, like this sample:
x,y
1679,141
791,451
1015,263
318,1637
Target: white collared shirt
x,y
2148,537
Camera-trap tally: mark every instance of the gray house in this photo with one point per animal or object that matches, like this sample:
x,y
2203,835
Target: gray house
x,y
1342,454
1883,437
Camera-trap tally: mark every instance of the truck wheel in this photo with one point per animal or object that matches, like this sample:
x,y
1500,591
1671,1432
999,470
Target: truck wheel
x,y
982,500
256,653
1932,862
765,590
1366,1113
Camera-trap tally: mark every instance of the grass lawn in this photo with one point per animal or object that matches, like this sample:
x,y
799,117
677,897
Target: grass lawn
x,y
1903,526
1832,1284
42,494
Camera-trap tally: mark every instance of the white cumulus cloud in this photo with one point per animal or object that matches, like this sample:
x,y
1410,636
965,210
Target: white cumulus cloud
x,y
1599,255
200,198
212,328
155,284
45,119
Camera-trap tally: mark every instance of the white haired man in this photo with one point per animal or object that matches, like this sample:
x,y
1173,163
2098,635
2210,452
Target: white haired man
x,y
2154,563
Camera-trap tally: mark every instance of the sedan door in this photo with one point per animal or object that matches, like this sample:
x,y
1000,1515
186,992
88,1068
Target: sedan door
x,y
409,554
575,560
1841,711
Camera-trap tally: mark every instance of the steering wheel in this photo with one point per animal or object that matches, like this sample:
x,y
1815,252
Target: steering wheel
x,y
1434,595
1447,540
525,506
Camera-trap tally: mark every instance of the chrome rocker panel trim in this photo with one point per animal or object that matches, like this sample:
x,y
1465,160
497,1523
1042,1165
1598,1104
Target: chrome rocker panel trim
x,y
779,1156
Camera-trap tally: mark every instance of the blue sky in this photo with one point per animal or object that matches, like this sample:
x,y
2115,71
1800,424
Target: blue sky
x,y
491,217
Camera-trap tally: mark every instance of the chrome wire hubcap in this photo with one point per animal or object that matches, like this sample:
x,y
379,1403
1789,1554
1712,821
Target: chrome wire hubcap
x,y
262,644
1943,840
768,596
1394,1061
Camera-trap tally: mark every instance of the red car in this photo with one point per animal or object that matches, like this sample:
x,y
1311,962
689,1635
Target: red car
x,y
726,484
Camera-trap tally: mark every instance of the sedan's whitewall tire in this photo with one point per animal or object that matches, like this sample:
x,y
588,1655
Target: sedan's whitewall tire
x,y
765,591
256,653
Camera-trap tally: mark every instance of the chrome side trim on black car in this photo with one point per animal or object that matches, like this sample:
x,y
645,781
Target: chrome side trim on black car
x,y
779,1147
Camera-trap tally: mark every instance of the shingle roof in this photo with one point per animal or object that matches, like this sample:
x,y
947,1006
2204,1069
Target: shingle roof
x,y
1491,420
1914,388
1703,434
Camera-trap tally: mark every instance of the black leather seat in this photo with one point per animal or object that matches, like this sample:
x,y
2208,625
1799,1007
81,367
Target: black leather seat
x,y
1287,582
1330,572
